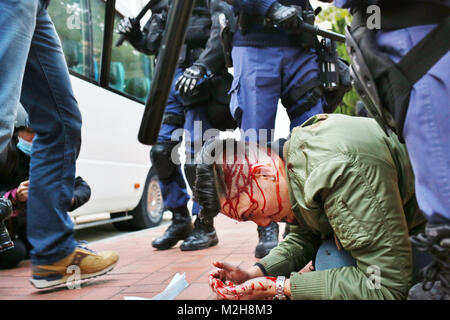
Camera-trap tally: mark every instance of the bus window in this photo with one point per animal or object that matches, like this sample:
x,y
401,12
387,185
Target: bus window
x,y
72,21
98,29
131,71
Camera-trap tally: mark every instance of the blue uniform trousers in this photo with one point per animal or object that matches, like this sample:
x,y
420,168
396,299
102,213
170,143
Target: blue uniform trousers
x,y
195,126
426,130
261,77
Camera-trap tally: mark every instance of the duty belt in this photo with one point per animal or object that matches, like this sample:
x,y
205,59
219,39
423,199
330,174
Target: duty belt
x,y
246,21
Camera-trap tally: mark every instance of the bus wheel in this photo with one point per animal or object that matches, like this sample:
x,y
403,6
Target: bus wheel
x,y
150,209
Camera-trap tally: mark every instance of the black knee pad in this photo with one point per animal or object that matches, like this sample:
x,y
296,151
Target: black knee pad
x,y
161,156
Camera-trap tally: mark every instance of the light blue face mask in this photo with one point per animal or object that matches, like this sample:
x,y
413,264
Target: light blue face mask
x,y
25,146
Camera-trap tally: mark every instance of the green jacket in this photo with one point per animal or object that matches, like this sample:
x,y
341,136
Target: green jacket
x,y
349,180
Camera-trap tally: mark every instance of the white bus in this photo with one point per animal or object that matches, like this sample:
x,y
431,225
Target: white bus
x,y
111,85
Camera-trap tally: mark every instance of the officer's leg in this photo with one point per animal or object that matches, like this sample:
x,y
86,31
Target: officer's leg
x,y
197,124
427,136
255,93
299,67
256,90
173,186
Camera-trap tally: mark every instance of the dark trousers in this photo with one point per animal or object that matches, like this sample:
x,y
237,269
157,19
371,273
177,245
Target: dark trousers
x,y
10,258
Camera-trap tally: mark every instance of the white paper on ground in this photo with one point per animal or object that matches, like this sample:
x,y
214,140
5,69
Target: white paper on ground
x,y
135,298
176,285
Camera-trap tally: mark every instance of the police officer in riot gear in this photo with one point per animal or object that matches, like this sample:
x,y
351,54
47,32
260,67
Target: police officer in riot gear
x,y
403,79
191,105
272,61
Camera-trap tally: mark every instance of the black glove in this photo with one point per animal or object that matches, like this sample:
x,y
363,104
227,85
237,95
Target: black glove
x,y
284,17
130,27
187,82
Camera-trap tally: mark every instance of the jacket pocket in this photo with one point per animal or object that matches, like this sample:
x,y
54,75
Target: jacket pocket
x,y
348,226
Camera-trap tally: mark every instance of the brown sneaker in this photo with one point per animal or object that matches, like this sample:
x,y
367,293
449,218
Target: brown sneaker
x,y
82,261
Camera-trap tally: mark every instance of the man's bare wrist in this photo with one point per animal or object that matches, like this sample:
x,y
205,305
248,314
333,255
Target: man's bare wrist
x,y
255,272
287,288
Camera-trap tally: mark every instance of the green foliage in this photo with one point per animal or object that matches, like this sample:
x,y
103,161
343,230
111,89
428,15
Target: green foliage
x,y
339,19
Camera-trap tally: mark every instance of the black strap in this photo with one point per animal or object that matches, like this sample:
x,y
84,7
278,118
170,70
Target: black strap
x,y
426,53
296,93
173,119
402,14
292,97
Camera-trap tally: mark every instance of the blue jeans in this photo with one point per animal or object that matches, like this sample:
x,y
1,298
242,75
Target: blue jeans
x,y
427,128
34,70
196,123
261,77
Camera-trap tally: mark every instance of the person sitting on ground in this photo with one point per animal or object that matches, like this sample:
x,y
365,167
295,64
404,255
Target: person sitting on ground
x,y
347,191
14,183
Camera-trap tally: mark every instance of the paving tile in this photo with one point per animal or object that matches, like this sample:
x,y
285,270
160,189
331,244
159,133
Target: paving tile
x,y
145,288
157,278
101,293
195,291
143,271
14,282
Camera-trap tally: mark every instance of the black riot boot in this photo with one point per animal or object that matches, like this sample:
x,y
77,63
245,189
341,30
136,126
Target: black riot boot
x,y
180,228
268,239
436,276
203,236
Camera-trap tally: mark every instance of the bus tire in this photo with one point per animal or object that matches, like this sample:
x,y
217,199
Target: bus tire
x,y
150,209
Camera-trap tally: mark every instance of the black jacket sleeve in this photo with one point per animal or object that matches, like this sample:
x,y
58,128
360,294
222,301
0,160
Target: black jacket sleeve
x,y
212,58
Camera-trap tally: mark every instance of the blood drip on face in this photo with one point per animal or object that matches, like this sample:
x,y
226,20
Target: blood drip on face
x,y
239,179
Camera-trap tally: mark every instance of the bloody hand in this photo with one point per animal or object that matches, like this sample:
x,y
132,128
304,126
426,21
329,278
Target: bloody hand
x,y
261,288
226,272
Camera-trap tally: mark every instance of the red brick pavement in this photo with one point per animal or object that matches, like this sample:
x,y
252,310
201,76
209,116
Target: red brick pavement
x,y
143,271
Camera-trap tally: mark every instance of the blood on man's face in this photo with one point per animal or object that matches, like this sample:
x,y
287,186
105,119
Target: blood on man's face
x,y
256,189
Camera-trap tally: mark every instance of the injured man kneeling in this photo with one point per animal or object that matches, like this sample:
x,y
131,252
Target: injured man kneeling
x,y
346,191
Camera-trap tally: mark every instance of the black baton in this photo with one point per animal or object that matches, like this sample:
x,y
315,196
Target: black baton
x,y
320,32
173,39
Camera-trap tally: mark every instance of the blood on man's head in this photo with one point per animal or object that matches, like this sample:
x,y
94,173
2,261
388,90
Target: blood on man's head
x,y
230,172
